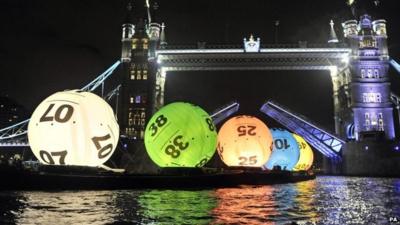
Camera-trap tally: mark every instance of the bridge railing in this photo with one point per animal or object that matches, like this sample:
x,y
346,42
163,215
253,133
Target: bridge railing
x,y
204,45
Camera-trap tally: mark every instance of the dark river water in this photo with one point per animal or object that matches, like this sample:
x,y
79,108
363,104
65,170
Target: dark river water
x,y
326,200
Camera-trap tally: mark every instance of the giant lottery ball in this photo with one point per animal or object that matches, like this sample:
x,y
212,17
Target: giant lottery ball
x,y
73,128
180,135
306,154
285,152
244,141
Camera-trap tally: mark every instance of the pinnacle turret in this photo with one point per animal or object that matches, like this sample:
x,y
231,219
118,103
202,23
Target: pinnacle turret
x,y
332,36
163,40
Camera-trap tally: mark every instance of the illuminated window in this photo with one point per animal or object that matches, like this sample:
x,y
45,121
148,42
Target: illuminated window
x,y
143,115
366,116
139,75
136,119
130,119
145,72
369,73
374,120
137,99
133,72
378,97
376,73
134,43
380,116
362,73
145,43
380,123
131,100
367,124
142,122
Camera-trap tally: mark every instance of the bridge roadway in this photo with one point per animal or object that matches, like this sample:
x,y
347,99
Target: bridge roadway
x,y
237,59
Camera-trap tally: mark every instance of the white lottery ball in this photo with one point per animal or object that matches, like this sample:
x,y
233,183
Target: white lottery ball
x,y
73,128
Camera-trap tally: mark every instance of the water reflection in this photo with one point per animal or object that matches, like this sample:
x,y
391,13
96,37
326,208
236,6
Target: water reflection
x,y
356,200
176,207
245,205
296,202
326,200
80,207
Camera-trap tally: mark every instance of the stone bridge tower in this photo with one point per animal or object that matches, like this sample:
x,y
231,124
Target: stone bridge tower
x,y
370,87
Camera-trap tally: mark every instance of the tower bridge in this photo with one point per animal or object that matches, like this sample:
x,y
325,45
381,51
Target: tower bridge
x,y
358,66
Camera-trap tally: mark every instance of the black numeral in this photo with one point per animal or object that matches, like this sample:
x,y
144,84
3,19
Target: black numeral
x,y
210,124
244,161
178,142
281,144
57,116
160,121
46,118
202,162
172,151
175,150
48,157
105,150
249,130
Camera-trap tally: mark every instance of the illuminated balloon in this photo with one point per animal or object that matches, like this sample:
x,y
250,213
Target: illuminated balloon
x,y
180,135
306,154
73,128
244,141
285,153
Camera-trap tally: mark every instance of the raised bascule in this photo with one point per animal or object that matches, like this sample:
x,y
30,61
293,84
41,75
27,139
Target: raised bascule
x,y
366,113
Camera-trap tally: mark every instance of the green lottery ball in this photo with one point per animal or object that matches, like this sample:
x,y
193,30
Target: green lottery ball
x,y
180,135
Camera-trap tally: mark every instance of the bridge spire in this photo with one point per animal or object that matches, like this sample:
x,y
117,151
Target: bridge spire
x,y
128,30
163,40
148,11
129,19
332,36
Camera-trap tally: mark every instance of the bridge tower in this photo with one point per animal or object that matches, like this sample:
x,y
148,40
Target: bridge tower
x,y
370,87
139,81
140,39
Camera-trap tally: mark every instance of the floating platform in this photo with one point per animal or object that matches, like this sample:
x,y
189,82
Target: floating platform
x,y
45,177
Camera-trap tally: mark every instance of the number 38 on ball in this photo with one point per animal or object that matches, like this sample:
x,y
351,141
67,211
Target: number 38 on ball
x,y
180,135
73,128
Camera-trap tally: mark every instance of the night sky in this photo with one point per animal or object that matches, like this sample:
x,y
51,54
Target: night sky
x,y
48,46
